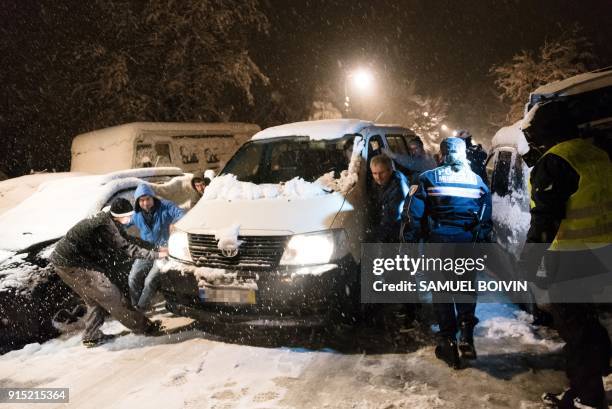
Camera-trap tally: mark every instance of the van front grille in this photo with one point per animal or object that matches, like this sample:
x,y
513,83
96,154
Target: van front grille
x,y
255,253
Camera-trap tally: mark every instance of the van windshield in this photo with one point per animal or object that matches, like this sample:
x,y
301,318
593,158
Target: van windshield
x,y
281,159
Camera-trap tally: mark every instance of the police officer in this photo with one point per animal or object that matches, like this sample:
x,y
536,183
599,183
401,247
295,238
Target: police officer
x,y
451,205
571,204
476,155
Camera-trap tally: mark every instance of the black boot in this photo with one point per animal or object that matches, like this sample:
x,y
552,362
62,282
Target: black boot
x,y
466,341
446,350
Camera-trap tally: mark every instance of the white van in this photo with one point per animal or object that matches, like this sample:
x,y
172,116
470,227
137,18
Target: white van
x,y
298,240
193,147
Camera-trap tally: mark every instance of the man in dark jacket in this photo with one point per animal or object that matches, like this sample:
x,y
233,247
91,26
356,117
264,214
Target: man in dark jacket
x,y
153,217
390,190
451,205
476,155
571,190
82,259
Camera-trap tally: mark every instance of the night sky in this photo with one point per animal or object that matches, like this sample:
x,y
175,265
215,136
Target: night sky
x,y
447,47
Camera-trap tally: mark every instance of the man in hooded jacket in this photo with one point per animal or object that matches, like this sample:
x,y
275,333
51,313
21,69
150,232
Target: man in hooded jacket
x,y
153,217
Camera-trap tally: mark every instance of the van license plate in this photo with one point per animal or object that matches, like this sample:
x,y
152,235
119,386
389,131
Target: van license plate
x,y
227,295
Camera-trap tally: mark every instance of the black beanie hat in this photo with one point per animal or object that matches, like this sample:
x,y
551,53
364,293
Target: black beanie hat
x,y
121,208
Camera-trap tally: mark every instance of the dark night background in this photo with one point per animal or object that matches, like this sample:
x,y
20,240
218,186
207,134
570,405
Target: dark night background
x,y
446,47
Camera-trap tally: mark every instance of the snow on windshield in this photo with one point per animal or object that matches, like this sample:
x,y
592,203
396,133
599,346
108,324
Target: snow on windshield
x,y
228,187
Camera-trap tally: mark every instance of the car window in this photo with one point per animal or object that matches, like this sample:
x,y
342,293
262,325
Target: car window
x,y
518,174
501,173
490,166
397,144
162,154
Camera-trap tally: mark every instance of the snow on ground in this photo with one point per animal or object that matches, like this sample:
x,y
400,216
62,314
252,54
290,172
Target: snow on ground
x,y
517,362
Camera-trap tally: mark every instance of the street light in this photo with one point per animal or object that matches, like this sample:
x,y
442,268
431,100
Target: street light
x,y
362,80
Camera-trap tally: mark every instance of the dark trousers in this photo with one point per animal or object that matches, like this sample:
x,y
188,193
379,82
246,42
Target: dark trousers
x,y
451,315
587,350
103,298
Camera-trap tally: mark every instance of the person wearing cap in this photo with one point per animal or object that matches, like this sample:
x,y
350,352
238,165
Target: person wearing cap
x,y
154,218
452,204
571,212
476,155
85,258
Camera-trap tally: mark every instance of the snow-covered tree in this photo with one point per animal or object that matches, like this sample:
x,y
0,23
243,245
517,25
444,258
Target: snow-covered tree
x,y
323,106
77,66
569,54
421,113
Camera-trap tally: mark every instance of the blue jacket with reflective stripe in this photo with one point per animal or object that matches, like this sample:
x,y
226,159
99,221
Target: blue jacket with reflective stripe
x,y
446,206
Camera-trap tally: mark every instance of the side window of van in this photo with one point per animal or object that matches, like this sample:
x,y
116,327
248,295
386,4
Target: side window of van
x,y
397,144
501,173
162,154
144,155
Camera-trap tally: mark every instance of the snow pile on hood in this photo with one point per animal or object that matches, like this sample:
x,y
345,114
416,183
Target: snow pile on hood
x,y
228,238
14,191
228,187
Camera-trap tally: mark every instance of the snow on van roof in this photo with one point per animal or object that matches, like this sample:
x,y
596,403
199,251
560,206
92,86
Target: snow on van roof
x,y
323,129
511,136
577,84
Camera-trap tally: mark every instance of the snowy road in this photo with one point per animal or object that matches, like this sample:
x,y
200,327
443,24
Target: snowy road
x,y
193,370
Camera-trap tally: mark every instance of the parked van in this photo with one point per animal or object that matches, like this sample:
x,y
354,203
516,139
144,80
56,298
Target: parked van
x,y
297,253
193,147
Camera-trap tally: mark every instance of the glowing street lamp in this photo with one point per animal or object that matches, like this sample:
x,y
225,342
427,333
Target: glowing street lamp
x,y
362,80
444,128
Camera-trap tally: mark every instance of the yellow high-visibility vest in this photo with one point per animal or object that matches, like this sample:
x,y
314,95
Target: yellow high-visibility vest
x,y
588,213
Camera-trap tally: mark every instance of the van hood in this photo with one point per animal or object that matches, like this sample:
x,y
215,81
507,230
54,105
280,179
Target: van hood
x,y
264,216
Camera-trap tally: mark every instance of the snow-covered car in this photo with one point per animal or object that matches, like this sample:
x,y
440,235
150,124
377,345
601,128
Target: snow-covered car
x,y
14,191
30,291
276,239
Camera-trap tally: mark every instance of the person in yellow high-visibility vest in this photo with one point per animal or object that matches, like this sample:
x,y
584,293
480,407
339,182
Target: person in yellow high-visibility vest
x,y
571,209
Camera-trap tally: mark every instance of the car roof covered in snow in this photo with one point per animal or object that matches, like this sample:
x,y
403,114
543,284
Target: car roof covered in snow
x,y
59,204
576,84
323,129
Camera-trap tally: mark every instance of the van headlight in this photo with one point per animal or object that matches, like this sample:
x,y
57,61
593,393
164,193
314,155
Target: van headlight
x,y
178,245
315,248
